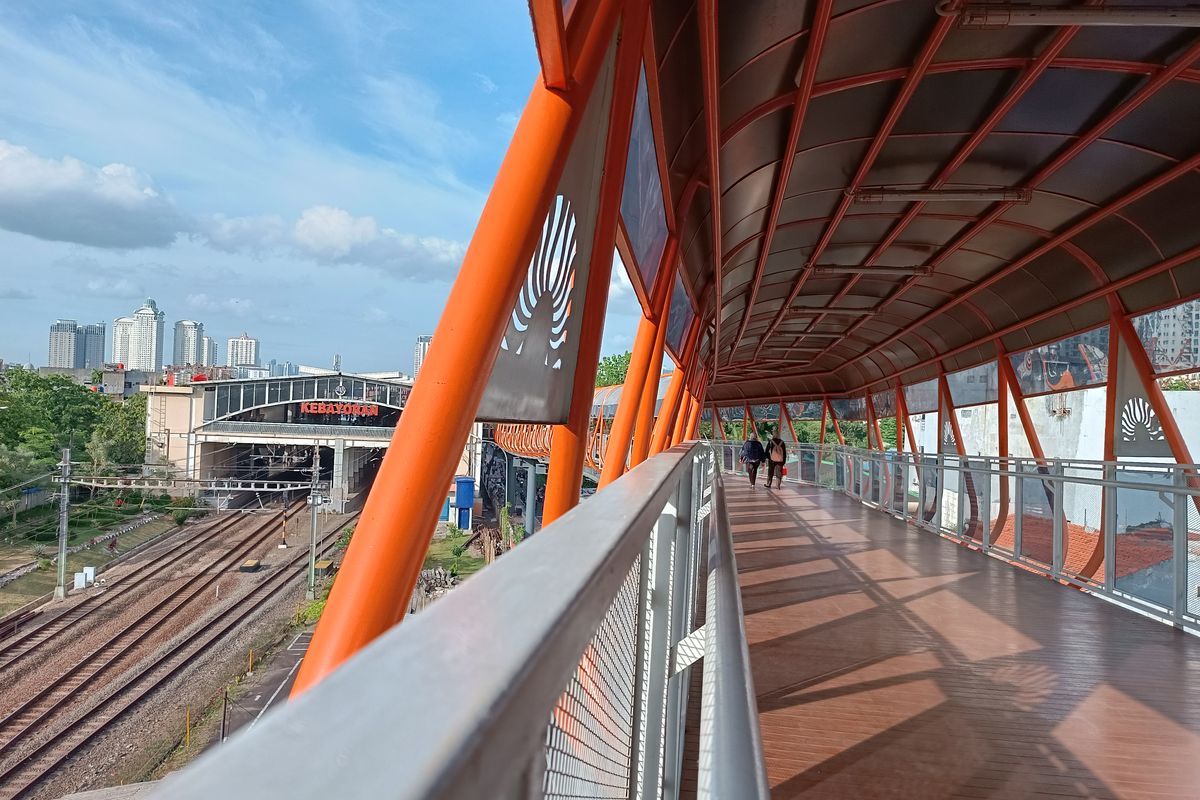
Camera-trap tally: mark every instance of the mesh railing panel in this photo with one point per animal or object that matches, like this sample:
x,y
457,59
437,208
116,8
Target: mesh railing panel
x,y
589,741
1037,517
1144,538
1083,506
1192,589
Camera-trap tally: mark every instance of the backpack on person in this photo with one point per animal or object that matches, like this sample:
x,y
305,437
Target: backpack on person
x,y
775,452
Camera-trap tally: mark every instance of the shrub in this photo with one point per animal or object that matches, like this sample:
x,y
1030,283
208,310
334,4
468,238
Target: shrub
x,y
45,564
181,516
344,540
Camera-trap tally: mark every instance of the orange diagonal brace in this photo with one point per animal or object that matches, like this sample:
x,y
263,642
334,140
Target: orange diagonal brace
x,y
570,444
382,564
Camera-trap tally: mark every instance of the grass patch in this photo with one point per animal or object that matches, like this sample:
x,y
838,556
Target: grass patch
x,y
448,553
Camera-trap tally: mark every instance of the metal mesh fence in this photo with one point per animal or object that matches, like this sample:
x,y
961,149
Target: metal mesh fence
x,y
1192,574
1083,506
1037,517
1144,553
589,741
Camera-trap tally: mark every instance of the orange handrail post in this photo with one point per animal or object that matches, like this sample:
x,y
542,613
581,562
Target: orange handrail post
x,y
393,533
570,443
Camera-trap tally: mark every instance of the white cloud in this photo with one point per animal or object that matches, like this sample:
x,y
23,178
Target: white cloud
x,y
15,294
485,83
332,234
245,234
113,206
377,315
508,121
112,287
405,111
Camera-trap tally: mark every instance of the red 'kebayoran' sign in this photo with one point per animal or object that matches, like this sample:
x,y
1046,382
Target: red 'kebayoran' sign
x,y
340,409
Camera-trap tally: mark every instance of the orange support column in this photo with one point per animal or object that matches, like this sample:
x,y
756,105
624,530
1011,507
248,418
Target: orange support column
x,y
570,443
664,424
644,431
824,420
1002,446
393,533
620,430
683,410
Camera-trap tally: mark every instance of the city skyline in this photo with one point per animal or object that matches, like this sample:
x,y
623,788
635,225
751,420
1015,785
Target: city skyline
x,y
242,175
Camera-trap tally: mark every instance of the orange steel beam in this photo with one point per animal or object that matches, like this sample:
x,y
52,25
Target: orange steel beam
x,y
1096,559
787,416
824,419
1002,446
644,429
663,425
381,566
570,445
808,76
907,90
550,39
874,422
709,64
620,430
680,414
837,428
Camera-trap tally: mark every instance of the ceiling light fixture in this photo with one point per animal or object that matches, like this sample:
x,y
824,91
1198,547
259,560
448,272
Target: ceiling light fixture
x,y
1002,15
841,312
848,269
883,194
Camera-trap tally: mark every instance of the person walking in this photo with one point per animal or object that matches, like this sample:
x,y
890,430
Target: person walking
x,y
776,458
752,456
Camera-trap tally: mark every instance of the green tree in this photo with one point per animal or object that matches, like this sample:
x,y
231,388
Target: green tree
x,y
18,466
44,413
612,369
887,429
120,434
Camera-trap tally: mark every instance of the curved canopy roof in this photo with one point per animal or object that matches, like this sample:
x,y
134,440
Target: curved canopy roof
x,y
816,99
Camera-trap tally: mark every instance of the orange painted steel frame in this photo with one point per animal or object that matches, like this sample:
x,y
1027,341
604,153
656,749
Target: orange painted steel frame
x,y
393,533
548,37
644,430
568,454
1002,446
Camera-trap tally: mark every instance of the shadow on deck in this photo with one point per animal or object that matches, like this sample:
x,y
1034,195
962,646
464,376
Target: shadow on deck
x,y
891,663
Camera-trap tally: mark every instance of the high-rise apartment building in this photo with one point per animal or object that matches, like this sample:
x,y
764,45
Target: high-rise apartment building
x,y
89,347
138,340
74,346
420,353
208,351
64,337
122,331
189,342
242,350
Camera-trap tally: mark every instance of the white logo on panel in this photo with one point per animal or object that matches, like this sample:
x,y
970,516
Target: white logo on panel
x,y
1139,423
544,303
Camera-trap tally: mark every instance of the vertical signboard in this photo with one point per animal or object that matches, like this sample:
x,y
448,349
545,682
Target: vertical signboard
x,y
532,378
1138,431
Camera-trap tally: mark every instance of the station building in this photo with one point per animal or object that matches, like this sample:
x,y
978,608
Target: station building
x,y
277,427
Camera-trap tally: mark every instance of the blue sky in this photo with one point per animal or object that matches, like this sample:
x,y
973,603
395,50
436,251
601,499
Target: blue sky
x,y
309,172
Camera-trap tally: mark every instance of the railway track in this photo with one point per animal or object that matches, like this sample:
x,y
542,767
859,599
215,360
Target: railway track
x,y
18,779
19,646
33,714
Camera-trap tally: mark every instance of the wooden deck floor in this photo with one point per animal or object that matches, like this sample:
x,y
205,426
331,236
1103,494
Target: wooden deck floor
x,y
892,663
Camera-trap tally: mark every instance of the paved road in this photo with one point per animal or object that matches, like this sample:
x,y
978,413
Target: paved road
x,y
270,688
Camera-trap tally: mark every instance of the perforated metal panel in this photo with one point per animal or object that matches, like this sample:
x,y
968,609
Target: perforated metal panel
x,y
589,741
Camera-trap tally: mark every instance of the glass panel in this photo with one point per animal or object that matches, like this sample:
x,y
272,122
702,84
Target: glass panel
x,y
809,409
884,403
1169,337
642,197
1069,363
1145,558
306,389
260,394
210,403
921,397
222,401
970,387
1082,504
680,317
852,408
275,392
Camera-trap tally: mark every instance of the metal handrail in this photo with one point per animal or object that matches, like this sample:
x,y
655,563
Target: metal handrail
x,y
729,722
455,702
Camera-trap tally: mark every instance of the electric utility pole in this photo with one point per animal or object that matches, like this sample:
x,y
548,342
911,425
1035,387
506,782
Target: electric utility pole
x,y
64,511
314,500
